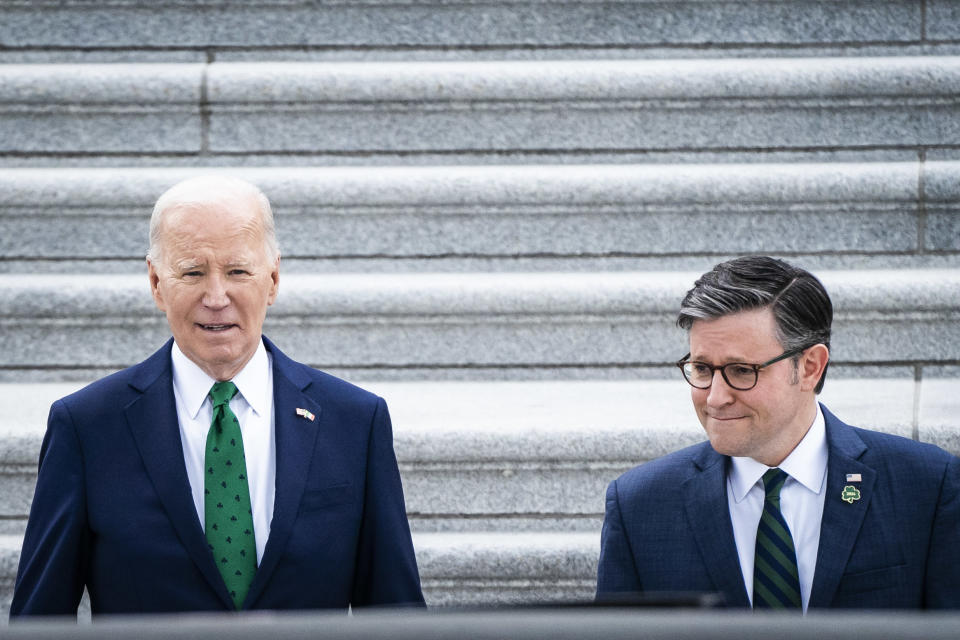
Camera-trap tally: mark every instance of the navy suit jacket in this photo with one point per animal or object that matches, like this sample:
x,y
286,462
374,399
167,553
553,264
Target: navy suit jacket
x,y
668,527
113,509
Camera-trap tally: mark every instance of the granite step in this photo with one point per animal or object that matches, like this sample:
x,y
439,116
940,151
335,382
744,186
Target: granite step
x,y
529,456
462,27
457,569
57,218
362,109
507,568
540,323
504,482
9,557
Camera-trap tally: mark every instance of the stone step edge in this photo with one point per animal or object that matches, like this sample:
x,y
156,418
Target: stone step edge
x,y
457,556
553,426
473,24
890,293
78,191
792,80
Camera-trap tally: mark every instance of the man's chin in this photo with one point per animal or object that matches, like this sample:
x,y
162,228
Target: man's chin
x,y
724,447
219,360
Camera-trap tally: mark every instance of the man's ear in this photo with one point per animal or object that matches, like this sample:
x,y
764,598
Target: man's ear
x,y
812,363
155,286
275,277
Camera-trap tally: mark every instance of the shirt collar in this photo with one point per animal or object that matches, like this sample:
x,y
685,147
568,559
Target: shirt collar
x,y
193,384
807,463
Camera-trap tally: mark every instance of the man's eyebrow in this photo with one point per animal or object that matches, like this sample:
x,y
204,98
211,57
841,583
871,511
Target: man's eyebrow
x,y
722,361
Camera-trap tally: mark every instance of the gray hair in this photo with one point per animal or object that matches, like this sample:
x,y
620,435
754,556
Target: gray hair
x,y
201,190
800,304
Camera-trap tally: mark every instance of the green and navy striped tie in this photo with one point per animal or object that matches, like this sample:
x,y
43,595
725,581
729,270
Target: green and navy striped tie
x,y
776,582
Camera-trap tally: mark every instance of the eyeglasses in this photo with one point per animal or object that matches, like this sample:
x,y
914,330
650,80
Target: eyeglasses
x,y
741,376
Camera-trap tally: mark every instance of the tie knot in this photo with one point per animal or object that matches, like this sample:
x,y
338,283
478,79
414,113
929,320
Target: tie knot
x,y
221,393
773,481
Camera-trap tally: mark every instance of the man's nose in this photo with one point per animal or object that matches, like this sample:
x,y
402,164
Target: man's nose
x,y
720,392
215,296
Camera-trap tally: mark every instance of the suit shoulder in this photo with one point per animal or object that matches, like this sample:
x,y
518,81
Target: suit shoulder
x,y
109,392
113,392
668,471
327,387
901,450
322,385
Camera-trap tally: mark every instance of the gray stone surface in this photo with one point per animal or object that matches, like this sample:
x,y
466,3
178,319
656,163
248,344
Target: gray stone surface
x,y
436,319
506,264
100,108
942,20
942,192
528,464
943,228
939,409
558,106
469,158
9,557
465,23
458,569
845,80
582,52
536,451
507,568
423,212
114,56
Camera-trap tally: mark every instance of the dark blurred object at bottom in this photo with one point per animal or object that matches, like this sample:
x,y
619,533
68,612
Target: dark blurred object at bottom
x,y
555,623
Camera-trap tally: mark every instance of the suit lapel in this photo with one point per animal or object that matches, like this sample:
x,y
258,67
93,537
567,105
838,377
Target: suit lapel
x,y
152,419
295,440
842,520
705,501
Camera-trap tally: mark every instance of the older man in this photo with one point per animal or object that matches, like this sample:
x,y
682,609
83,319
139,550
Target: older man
x,y
218,474
786,506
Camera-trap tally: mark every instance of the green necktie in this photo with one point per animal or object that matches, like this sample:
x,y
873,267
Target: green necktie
x,y
227,515
776,582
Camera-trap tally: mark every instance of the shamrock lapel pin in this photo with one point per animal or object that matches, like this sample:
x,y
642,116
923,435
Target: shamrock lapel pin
x,y
850,493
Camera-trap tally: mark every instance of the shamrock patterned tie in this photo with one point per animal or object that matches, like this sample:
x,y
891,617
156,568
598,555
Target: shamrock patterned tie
x,y
776,582
227,515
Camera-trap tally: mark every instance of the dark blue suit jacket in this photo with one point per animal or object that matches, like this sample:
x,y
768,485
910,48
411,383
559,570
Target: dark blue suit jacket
x,y
113,508
668,528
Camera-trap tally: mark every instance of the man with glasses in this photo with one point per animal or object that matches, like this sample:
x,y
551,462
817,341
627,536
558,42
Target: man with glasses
x,y
786,507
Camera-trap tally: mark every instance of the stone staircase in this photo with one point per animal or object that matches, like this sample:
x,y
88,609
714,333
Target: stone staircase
x,y
488,214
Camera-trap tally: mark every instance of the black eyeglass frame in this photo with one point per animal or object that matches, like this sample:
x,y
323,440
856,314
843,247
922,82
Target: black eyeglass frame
x,y
723,368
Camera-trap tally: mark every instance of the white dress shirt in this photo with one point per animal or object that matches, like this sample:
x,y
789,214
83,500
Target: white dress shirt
x,y
801,502
253,406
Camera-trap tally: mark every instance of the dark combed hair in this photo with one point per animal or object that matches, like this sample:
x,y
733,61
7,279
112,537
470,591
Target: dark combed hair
x,y
799,302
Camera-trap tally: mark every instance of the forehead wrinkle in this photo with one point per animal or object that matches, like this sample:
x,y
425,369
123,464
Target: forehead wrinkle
x,y
188,263
175,240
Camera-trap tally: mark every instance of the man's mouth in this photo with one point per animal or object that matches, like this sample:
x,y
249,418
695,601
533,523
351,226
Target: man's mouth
x,y
215,327
723,418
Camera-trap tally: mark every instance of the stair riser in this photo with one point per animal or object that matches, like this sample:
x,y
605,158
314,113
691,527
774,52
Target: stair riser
x,y
453,108
463,24
573,211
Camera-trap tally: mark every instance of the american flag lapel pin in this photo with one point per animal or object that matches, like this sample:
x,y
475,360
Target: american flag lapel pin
x,y
851,493
303,413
